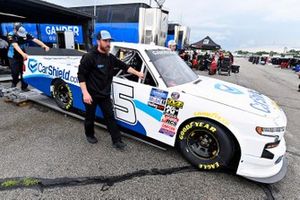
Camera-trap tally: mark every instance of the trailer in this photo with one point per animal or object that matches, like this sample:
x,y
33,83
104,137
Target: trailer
x,y
134,23
179,33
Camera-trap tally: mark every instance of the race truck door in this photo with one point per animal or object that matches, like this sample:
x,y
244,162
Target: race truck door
x,y
139,104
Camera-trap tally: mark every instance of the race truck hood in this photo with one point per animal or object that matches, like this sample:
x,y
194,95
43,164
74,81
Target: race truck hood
x,y
232,95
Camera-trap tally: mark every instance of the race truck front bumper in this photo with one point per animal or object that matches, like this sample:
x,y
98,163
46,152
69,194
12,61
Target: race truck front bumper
x,y
265,170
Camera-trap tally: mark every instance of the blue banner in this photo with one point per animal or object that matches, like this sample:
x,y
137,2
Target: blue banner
x,y
48,32
30,28
120,32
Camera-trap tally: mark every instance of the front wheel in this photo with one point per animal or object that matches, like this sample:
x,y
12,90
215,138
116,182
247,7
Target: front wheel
x,y
206,145
62,94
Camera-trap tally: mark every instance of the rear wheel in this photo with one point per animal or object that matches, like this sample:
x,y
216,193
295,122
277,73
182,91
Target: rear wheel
x,y
206,145
62,94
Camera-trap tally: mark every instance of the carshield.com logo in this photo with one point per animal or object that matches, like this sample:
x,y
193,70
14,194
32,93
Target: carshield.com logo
x,y
32,65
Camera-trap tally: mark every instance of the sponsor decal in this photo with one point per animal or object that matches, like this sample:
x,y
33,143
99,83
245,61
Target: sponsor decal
x,y
167,129
162,52
193,124
209,166
175,95
32,65
100,66
214,116
169,119
56,72
258,101
228,89
158,99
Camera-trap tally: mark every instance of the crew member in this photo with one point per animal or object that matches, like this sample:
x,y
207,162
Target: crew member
x,y
95,76
172,45
18,40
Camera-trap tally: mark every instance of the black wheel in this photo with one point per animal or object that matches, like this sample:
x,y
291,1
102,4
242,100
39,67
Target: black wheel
x,y
206,145
62,94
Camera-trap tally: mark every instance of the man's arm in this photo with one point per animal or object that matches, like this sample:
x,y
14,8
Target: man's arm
x,y
86,95
19,50
131,70
41,44
83,72
123,66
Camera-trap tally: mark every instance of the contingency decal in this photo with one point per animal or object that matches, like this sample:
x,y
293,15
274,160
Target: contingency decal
x,y
175,95
258,101
158,99
170,119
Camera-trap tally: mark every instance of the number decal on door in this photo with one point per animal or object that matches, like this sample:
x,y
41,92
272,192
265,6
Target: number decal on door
x,y
124,107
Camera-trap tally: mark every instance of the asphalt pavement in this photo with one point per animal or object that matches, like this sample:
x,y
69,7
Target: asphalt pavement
x,y
37,143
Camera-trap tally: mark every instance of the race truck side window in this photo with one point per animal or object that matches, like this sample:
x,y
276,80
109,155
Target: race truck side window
x,y
131,58
148,80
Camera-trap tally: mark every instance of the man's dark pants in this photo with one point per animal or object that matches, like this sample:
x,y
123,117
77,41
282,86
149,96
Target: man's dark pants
x,y
16,71
107,109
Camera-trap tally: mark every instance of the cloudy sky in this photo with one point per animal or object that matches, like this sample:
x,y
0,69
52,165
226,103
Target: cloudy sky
x,y
235,24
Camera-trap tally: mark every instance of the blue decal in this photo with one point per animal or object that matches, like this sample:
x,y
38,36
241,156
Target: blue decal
x,y
259,103
225,88
156,114
51,70
32,65
158,99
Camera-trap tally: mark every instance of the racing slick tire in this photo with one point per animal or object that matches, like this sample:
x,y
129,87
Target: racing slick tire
x,y
206,145
62,94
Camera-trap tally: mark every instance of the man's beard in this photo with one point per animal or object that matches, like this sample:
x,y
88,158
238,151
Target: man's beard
x,y
105,49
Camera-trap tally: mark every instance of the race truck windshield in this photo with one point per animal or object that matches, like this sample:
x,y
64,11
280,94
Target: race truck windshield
x,y
173,70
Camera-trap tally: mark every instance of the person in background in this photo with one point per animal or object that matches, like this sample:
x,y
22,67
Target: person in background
x,y
231,58
18,40
206,61
172,45
3,52
195,60
182,54
95,75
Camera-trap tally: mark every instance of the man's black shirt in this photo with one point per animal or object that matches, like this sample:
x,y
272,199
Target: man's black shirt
x,y
97,70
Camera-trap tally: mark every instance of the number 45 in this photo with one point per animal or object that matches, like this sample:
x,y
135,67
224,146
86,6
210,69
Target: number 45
x,y
124,107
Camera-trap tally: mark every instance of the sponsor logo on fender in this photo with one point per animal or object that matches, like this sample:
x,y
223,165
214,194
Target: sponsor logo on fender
x,y
214,116
258,101
51,70
228,89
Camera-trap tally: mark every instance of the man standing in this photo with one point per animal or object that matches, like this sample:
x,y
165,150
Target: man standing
x,y
18,40
95,76
172,45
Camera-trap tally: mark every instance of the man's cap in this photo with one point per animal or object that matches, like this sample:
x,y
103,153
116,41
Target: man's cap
x,y
21,31
104,35
172,43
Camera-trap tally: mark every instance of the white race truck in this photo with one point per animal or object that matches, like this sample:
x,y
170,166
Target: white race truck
x,y
215,124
